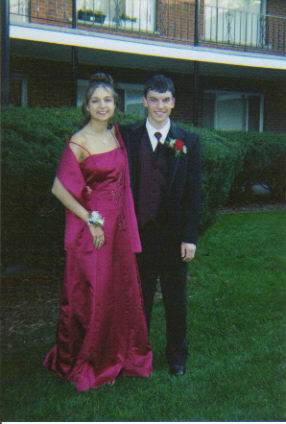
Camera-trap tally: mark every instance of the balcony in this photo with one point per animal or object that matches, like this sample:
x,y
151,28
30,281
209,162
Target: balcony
x,y
243,30
166,20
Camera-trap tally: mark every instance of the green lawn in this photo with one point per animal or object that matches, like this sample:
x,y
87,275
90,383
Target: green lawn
x,y
236,337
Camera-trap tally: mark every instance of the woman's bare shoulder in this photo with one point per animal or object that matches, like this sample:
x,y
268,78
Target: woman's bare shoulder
x,y
77,144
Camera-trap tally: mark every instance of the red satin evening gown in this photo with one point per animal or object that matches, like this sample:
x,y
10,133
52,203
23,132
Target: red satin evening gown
x,y
102,330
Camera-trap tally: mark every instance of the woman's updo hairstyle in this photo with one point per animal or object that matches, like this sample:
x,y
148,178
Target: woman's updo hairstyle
x,y
99,79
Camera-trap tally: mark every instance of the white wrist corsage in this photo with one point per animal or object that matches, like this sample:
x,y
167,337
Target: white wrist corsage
x,y
96,219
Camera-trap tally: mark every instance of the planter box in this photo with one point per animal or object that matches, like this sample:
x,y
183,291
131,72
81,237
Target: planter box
x,y
91,17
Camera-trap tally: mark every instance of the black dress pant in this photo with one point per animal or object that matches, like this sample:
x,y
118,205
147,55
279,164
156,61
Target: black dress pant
x,y
161,257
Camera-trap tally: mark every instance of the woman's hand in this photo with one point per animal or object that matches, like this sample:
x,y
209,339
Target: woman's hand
x,y
97,235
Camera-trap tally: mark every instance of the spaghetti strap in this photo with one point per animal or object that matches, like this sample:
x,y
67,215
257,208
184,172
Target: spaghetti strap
x,y
72,142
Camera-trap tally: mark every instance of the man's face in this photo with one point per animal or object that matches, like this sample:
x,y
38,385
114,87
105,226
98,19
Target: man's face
x,y
159,106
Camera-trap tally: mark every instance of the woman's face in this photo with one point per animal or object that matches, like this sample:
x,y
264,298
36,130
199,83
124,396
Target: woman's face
x,y
101,105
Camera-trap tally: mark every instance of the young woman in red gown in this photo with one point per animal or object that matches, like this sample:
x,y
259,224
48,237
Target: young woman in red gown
x,y
102,331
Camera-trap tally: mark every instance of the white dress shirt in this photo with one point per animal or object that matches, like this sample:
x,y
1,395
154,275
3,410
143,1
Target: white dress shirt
x,y
151,131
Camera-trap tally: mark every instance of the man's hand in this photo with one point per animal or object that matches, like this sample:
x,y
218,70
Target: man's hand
x,y
188,251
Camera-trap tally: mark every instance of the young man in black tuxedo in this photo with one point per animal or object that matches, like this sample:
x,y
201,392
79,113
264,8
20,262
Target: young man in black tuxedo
x,y
166,180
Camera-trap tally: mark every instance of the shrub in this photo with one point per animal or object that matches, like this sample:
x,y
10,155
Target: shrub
x,y
222,159
33,140
264,162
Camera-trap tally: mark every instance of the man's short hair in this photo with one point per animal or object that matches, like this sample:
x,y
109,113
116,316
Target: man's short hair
x,y
159,83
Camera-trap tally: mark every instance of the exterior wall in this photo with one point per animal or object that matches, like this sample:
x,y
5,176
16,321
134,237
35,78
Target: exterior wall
x,y
274,97
51,12
275,107
50,84
275,25
175,21
276,7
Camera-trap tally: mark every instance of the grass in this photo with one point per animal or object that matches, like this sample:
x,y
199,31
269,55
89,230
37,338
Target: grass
x,y
236,336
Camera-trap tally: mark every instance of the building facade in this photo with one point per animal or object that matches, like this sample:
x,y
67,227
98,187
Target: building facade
x,y
226,57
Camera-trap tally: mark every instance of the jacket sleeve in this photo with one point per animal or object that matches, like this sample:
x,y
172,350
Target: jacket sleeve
x,y
192,196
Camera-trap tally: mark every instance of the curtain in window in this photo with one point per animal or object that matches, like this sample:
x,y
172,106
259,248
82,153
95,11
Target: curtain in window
x,y
19,11
231,111
238,22
128,14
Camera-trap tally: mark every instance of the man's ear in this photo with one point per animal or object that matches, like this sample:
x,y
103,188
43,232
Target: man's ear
x,y
144,101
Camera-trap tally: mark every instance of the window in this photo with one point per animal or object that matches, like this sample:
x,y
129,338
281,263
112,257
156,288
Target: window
x,y
238,22
81,89
18,90
18,11
224,110
125,14
130,97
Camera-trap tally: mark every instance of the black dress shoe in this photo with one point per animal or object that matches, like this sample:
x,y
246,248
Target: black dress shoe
x,y
177,370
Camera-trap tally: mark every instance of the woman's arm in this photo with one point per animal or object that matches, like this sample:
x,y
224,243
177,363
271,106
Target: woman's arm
x,y
74,206
69,201
59,190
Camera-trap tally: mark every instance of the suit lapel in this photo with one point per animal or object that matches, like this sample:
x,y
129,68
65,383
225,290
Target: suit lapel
x,y
134,153
174,160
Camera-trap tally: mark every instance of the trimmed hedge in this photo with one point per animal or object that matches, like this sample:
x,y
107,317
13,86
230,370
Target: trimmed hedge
x,y
264,162
33,139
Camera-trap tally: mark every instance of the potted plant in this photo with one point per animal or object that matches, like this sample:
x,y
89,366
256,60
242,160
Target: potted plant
x,y
124,17
91,15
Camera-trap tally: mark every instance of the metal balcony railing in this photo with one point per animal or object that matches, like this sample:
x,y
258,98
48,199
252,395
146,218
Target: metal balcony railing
x,y
242,29
171,20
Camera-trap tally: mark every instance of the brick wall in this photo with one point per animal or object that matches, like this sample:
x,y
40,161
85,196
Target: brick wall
x,y
276,7
276,25
51,12
50,84
176,19
275,107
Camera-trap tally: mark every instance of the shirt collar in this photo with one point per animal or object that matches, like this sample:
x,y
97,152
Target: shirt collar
x,y
164,130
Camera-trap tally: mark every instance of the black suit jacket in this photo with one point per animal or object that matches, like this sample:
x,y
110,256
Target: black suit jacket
x,y
184,185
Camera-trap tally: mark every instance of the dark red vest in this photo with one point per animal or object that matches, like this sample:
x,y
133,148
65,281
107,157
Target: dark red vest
x,y
153,177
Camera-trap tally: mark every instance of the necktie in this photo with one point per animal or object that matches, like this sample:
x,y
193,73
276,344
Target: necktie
x,y
158,136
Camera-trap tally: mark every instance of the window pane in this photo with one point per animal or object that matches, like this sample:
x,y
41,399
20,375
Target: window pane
x,y
232,111
133,102
81,89
18,11
254,113
144,13
16,92
128,14
208,110
235,22
231,114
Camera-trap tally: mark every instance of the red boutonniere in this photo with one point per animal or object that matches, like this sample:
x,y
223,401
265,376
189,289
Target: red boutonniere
x,y
178,146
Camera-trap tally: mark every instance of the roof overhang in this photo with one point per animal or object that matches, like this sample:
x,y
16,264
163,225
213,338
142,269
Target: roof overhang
x,y
142,47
